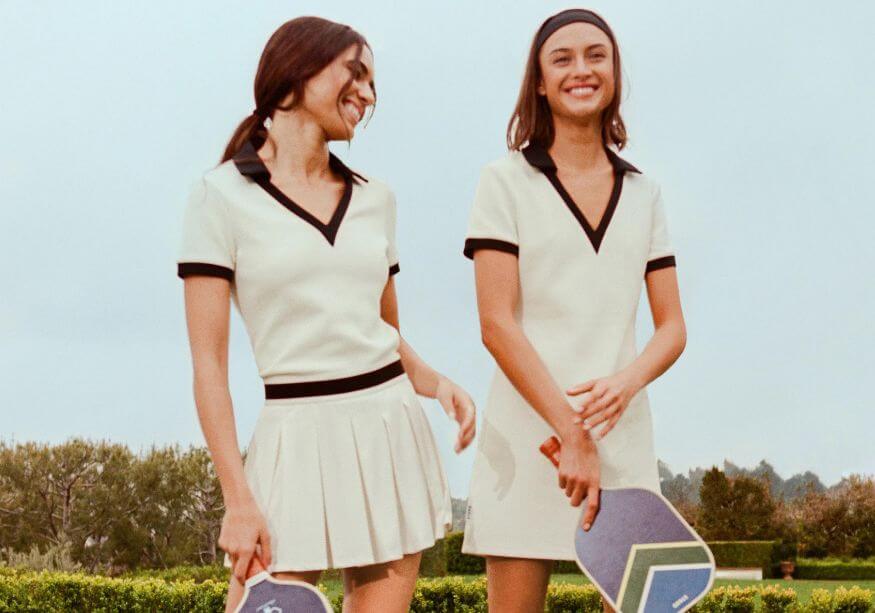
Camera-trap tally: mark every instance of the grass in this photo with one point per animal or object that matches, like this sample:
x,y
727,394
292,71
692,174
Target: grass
x,y
803,588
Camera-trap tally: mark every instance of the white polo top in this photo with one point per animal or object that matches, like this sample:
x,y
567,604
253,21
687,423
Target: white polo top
x,y
579,292
309,293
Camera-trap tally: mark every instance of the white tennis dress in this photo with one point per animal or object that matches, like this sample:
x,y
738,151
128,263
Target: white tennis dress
x,y
342,462
579,293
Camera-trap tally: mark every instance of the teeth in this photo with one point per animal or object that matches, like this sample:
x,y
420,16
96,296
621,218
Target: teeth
x,y
355,111
582,91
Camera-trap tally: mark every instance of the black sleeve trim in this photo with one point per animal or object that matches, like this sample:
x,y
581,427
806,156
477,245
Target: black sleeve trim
x,y
660,263
190,269
475,244
394,269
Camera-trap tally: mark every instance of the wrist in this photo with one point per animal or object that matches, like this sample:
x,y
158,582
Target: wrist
x,y
636,379
572,433
238,499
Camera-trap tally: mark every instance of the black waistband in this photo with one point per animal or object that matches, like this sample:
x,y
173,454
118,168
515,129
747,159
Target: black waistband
x,y
333,386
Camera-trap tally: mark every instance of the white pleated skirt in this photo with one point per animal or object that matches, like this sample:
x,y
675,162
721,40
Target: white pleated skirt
x,y
348,479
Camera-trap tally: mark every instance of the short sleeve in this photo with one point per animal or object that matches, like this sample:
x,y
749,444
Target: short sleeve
x,y
207,245
661,254
492,223
392,247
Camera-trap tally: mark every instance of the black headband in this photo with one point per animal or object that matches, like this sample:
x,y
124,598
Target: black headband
x,y
570,16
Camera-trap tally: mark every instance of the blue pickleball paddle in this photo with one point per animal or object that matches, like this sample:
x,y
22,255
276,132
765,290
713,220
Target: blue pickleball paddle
x,y
640,552
264,593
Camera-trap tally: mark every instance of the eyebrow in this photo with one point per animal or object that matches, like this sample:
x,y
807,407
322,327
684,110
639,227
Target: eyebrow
x,y
362,66
567,50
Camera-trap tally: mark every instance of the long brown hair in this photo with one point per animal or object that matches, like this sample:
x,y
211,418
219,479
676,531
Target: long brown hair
x,y
297,51
532,121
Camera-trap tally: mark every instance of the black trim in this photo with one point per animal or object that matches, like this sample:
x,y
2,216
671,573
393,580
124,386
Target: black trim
x,y
250,164
189,269
475,244
660,263
539,157
329,230
394,269
305,389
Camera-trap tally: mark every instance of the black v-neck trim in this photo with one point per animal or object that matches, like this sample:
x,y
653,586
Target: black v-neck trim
x,y
329,230
251,165
597,234
539,157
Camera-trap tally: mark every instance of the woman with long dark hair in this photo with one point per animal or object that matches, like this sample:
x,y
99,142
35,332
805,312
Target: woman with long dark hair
x,y
342,469
563,234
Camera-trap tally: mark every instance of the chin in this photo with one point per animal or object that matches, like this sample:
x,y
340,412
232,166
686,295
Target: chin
x,y
341,132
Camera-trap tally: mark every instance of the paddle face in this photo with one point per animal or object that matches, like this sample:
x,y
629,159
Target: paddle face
x,y
264,594
641,554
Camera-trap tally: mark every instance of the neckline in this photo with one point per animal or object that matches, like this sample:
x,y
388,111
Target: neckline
x,y
250,165
329,230
539,157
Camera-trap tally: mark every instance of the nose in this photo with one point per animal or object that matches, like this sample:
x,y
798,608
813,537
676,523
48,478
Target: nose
x,y
366,93
580,66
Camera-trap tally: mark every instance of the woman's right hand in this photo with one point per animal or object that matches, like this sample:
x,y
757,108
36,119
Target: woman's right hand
x,y
579,473
244,534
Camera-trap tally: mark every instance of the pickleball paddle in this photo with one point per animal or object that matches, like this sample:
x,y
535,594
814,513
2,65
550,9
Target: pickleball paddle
x,y
639,552
264,593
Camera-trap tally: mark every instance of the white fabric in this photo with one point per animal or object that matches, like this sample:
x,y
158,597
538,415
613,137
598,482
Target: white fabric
x,y
312,309
348,479
578,309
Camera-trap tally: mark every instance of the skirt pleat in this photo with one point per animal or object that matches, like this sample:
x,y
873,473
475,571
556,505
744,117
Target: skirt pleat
x,y
348,480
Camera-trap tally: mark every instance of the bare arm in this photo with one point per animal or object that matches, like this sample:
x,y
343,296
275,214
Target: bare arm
x,y
207,310
611,395
497,277
427,381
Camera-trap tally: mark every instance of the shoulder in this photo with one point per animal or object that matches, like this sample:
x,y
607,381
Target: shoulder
x,y
508,168
643,185
219,183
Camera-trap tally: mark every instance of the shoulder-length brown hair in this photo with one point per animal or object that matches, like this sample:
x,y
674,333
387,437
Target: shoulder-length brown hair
x,y
532,121
297,51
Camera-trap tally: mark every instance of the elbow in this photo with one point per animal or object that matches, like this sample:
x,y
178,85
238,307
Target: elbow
x,y
492,330
681,342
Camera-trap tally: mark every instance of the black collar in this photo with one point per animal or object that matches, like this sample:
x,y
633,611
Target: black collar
x,y
538,156
250,165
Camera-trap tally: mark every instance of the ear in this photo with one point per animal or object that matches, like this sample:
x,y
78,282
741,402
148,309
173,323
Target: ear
x,y
542,91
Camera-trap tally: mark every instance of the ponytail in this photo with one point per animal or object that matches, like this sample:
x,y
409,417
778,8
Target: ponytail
x,y
251,128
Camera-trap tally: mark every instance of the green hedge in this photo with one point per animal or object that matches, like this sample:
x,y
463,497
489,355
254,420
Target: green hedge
x,y
55,592
744,554
809,568
459,563
45,591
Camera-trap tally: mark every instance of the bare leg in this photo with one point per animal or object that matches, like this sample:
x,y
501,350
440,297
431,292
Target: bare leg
x,y
235,588
381,588
517,585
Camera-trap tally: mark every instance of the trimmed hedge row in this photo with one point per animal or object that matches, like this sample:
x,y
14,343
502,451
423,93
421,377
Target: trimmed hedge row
x,y
46,591
744,554
49,592
809,568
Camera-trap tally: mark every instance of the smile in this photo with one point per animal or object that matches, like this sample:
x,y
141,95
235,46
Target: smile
x,y
354,110
581,91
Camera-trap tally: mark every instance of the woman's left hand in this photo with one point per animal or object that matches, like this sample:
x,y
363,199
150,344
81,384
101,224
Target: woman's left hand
x,y
459,406
608,399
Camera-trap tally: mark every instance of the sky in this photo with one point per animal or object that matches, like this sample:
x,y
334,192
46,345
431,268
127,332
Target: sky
x,y
755,119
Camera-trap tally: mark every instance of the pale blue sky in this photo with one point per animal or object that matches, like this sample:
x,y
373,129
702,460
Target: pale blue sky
x,y
756,119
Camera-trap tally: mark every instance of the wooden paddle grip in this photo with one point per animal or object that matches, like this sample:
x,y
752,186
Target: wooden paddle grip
x,y
551,448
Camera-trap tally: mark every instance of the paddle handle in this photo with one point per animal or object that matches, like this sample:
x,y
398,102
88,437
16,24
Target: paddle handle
x,y
551,448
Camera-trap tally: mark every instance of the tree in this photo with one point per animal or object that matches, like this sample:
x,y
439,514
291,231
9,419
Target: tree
x,y
739,508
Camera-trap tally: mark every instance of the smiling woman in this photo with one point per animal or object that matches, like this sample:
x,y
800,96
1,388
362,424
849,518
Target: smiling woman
x,y
342,470
563,233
